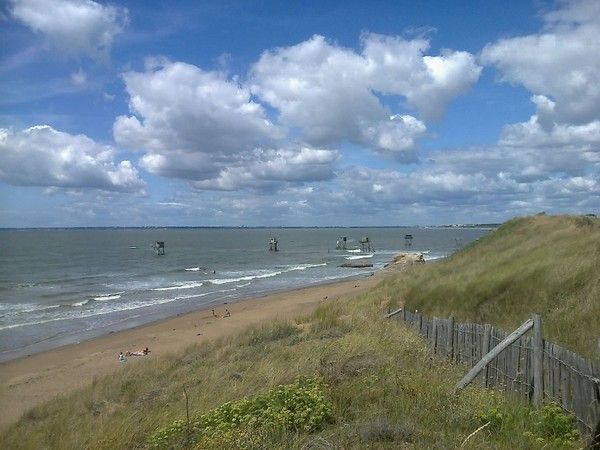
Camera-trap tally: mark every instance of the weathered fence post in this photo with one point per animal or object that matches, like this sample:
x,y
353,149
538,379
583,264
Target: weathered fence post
x,y
487,337
404,314
450,339
538,361
434,327
419,321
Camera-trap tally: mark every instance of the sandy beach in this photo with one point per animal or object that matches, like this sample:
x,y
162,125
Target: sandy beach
x,y
29,381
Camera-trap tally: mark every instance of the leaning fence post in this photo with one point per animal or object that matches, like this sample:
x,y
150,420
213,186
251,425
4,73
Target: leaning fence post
x,y
512,337
538,361
487,337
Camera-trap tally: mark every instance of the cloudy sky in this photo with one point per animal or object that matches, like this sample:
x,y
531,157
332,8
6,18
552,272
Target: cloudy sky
x,y
297,113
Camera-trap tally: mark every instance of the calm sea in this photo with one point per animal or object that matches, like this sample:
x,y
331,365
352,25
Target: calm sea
x,y
60,286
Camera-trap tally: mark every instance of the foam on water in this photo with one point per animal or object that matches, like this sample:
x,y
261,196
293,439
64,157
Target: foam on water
x,y
246,278
359,257
265,274
121,307
190,285
107,297
81,303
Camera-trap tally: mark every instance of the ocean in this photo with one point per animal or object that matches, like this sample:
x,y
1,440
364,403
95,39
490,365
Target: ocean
x,y
62,286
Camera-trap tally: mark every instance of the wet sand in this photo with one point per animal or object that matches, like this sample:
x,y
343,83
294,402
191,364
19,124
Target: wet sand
x,y
29,381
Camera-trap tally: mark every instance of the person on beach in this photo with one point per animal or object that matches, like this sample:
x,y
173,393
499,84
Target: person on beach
x,y
227,313
143,352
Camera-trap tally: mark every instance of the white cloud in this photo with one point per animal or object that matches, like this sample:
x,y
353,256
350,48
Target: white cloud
x,y
562,62
400,67
200,126
533,134
329,92
79,78
179,108
272,169
396,136
208,128
78,27
43,156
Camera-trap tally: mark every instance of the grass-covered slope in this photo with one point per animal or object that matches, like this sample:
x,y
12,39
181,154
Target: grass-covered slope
x,y
544,264
375,384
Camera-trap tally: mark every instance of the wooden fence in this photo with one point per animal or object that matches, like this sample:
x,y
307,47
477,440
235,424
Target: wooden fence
x,y
569,380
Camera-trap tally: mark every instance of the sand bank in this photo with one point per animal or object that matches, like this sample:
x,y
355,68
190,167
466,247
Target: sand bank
x,y
29,381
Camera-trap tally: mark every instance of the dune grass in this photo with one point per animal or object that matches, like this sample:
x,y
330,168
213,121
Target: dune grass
x,y
543,264
382,385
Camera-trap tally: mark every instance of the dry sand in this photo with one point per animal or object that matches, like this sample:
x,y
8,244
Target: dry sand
x,y
29,381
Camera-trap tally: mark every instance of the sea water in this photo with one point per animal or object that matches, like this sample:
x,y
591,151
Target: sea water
x,y
61,286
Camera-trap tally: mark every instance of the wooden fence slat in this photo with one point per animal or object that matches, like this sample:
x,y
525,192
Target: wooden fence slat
x,y
485,348
538,358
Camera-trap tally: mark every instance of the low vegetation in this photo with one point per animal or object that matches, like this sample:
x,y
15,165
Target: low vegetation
x,y
543,264
343,377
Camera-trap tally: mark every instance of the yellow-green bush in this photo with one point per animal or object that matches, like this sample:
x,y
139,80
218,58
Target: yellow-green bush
x,y
300,406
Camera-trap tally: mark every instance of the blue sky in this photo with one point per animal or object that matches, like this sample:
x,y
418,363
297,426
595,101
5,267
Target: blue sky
x,y
297,113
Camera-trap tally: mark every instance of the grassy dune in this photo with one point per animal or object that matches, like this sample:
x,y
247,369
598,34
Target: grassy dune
x,y
544,264
384,387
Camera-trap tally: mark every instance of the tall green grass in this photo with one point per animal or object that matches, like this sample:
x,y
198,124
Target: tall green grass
x,y
384,387
542,264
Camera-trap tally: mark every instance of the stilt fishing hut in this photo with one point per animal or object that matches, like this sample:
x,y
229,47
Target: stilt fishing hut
x,y
341,243
159,247
366,245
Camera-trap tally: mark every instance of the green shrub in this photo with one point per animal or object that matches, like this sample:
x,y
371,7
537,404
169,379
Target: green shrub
x,y
300,406
496,417
554,427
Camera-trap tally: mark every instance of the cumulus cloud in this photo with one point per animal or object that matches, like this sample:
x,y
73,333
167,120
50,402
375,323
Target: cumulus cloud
x,y
492,181
209,128
331,93
533,134
272,169
78,27
198,125
400,67
178,107
561,62
43,156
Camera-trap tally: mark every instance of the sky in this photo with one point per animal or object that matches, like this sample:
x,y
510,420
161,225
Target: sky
x,y
313,113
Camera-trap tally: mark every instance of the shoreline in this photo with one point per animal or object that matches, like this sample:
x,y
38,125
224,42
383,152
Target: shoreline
x,y
31,380
81,337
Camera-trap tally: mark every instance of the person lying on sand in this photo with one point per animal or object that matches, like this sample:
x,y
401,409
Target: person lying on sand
x,y
143,352
227,313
